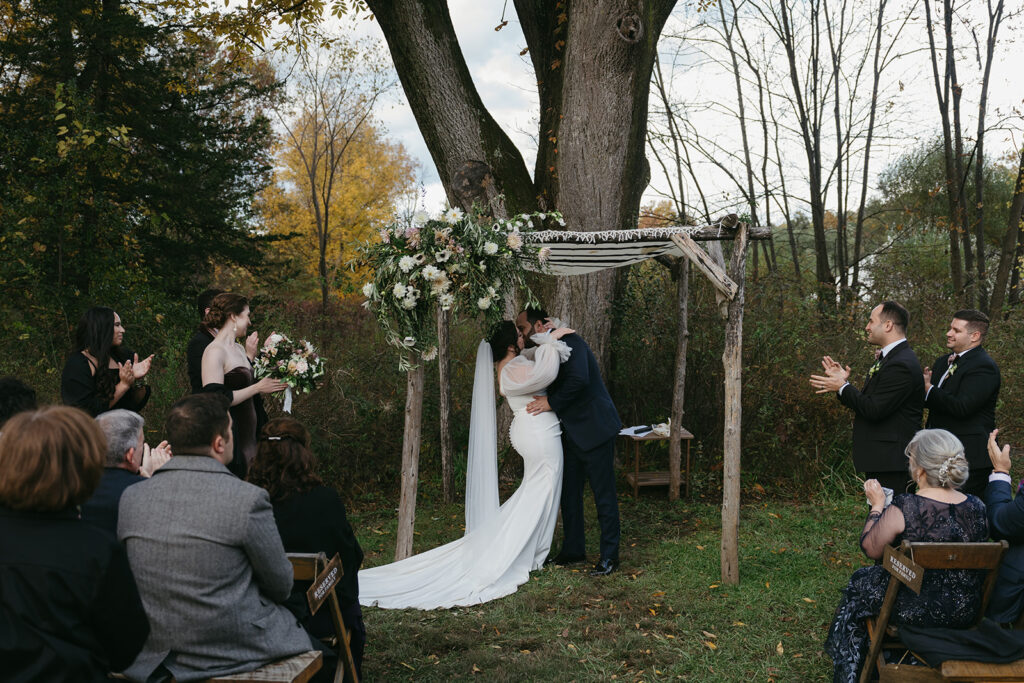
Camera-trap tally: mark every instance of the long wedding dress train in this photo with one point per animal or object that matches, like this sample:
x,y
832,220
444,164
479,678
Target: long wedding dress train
x,y
498,551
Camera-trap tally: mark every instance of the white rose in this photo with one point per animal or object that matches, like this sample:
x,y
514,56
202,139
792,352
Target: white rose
x,y
490,248
483,303
420,218
301,366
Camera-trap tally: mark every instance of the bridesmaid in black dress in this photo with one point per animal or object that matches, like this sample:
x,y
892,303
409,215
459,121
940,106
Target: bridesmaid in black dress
x,y
100,373
227,369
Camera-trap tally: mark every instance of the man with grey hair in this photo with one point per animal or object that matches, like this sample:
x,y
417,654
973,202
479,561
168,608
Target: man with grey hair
x,y
129,461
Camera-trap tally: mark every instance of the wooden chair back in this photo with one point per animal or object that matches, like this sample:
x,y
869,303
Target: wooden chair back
x,y
325,576
908,569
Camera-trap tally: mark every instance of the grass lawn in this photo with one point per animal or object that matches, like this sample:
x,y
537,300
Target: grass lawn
x,y
664,616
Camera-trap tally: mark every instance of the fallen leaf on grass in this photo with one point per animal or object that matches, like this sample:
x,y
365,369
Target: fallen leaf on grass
x,y
477,670
714,585
710,645
657,594
709,635
700,547
738,623
778,648
808,600
407,666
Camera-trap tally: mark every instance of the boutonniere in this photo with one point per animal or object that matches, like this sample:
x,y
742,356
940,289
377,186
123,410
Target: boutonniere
x,y
952,369
874,368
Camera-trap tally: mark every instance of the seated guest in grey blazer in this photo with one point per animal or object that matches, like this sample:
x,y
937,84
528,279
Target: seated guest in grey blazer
x,y
207,557
1006,522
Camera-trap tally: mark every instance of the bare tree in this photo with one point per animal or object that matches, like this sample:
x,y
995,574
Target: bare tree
x,y
335,95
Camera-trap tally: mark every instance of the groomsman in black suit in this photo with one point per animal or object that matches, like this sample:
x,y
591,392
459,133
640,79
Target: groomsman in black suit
x,y
963,398
590,424
887,411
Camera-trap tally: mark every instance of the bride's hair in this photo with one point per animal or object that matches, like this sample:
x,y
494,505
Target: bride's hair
x,y
502,336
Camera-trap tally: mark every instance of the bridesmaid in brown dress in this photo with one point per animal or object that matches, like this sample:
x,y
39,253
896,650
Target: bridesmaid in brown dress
x,y
226,368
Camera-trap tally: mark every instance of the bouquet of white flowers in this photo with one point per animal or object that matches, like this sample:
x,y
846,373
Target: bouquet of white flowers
x,y
453,263
297,364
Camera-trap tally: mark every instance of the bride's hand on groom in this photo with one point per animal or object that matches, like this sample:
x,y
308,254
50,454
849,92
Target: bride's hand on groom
x,y
561,332
538,405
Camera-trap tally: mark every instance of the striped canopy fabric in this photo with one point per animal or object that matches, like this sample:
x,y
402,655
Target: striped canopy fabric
x,y
576,253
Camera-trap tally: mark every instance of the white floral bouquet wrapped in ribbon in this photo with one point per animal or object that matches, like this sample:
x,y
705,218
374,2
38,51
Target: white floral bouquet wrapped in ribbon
x,y
297,364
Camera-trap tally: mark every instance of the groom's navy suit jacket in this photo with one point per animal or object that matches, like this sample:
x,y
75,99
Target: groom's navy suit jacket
x,y
581,401
1006,521
965,404
887,412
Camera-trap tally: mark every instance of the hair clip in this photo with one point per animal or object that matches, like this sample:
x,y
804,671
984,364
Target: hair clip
x,y
271,438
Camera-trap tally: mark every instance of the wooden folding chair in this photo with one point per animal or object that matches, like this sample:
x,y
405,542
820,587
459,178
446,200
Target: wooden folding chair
x,y
908,566
325,577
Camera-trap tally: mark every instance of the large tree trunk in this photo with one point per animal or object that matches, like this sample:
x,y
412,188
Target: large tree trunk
x,y
593,102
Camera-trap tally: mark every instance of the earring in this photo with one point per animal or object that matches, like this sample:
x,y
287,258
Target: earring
x,y
234,328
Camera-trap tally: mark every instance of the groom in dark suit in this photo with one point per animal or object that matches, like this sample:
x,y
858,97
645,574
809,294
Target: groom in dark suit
x,y
887,411
589,426
962,399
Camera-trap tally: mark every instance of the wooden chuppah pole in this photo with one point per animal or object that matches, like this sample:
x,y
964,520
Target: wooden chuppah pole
x,y
410,461
675,444
732,360
445,407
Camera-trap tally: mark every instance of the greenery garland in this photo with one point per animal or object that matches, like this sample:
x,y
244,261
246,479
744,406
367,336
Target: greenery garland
x,y
454,262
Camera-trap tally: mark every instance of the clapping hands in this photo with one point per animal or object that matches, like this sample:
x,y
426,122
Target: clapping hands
x,y
154,458
834,378
1000,457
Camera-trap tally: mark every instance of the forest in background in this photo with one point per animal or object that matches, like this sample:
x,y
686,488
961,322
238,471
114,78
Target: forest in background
x,y
147,157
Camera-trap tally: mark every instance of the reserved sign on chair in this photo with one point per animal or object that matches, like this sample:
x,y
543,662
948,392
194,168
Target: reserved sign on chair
x,y
324,582
903,568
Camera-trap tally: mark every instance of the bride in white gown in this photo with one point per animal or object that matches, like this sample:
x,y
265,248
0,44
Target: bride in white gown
x,y
501,544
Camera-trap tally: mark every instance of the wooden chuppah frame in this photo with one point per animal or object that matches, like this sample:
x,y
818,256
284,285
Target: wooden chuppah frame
x,y
729,283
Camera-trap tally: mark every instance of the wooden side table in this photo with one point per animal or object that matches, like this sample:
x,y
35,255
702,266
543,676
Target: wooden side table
x,y
636,478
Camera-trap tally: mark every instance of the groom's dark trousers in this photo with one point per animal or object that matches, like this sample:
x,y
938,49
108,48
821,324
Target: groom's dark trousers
x,y
589,426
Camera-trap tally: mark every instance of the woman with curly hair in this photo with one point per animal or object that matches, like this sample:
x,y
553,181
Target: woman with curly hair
x,y
311,519
227,370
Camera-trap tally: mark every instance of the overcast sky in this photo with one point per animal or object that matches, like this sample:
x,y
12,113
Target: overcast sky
x,y
505,82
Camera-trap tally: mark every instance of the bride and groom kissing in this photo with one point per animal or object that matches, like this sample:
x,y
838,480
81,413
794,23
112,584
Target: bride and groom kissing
x,y
564,427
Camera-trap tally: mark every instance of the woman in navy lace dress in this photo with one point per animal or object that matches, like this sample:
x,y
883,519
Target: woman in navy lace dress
x,y
937,512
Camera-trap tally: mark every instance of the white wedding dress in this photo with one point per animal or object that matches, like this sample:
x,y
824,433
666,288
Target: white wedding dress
x,y
502,544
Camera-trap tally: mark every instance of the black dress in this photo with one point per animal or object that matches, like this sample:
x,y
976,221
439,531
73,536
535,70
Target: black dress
x,y
948,597
81,388
311,522
69,607
244,423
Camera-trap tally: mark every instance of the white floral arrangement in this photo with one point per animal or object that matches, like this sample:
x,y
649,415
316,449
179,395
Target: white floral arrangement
x,y
297,364
452,262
